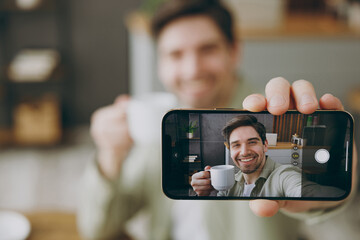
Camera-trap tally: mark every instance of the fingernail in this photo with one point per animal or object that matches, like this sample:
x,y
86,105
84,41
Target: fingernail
x,y
306,99
277,101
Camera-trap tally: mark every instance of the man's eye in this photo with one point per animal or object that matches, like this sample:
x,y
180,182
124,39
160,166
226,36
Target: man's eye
x,y
253,142
208,49
175,55
235,145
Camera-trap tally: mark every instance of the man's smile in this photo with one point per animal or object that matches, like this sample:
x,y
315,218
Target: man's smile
x,y
197,87
247,159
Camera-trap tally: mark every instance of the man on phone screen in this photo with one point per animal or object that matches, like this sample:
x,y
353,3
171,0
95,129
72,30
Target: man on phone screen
x,y
259,175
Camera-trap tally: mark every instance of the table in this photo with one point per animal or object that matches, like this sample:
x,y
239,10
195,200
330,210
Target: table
x,y
52,225
56,226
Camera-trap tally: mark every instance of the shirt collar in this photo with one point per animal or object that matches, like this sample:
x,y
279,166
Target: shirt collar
x,y
267,169
265,173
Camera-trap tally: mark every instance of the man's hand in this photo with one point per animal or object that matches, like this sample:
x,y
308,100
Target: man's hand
x,y
280,97
110,131
201,182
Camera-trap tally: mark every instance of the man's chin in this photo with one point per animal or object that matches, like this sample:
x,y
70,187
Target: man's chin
x,y
197,101
248,171
246,168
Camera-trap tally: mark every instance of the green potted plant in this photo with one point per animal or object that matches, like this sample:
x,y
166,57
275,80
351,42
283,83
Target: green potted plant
x,y
190,129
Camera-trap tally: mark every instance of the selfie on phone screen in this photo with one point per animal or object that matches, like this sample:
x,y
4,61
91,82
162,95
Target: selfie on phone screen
x,y
211,154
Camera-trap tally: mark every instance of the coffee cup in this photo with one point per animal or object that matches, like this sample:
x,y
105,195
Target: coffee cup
x,y
222,177
144,115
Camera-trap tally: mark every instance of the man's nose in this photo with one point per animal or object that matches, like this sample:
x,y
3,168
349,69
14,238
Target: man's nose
x,y
191,66
244,150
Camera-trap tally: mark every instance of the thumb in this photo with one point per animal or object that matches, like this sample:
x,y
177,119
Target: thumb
x,y
207,167
264,208
122,100
121,103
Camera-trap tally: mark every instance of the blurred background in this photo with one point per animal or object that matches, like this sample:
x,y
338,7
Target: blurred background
x,y
60,60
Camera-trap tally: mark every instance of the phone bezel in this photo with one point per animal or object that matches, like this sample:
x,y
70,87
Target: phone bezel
x,y
235,111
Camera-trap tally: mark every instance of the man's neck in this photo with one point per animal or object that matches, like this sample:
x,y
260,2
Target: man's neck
x,y
226,97
252,177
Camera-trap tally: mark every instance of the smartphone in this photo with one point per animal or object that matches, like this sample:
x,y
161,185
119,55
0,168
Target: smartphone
x,y
250,155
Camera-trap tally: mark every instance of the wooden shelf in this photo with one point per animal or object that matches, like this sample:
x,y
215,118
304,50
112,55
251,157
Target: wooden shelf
x,y
5,137
288,145
294,25
56,83
45,6
305,26
57,76
283,145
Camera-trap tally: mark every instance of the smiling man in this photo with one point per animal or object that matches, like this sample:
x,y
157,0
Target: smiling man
x,y
197,62
199,69
258,175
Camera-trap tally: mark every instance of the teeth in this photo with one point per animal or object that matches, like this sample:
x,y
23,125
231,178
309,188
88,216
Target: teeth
x,y
246,159
197,84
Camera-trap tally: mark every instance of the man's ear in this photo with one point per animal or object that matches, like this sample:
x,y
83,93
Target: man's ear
x,y
266,145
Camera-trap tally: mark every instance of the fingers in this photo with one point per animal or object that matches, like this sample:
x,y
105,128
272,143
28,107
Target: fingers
x,y
201,183
329,102
201,175
268,208
255,103
304,96
277,92
121,99
303,206
117,111
121,103
207,167
264,208
110,122
281,96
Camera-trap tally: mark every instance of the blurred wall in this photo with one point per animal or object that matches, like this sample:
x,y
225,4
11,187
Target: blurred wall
x,y
100,53
330,63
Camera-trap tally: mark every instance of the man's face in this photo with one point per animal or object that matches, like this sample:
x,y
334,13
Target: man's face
x,y
196,62
247,150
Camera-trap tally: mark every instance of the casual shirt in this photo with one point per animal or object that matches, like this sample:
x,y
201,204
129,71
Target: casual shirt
x,y
106,207
275,180
248,189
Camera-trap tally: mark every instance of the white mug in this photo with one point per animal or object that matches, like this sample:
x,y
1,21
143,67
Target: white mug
x,y
222,177
144,115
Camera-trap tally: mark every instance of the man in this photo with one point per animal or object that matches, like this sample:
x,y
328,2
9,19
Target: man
x,y
259,176
197,61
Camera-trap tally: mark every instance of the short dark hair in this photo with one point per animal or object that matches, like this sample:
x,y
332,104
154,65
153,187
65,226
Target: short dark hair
x,y
175,9
242,121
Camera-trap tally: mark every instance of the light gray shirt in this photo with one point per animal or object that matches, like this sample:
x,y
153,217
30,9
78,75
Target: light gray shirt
x,y
275,180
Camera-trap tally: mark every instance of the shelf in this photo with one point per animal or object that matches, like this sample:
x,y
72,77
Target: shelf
x,y
45,71
283,145
191,139
5,137
56,77
10,7
293,26
304,26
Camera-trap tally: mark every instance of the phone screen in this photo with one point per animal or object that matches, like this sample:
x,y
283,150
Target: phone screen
x,y
256,155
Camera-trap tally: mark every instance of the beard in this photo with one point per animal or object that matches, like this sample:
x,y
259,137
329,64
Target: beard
x,y
251,168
